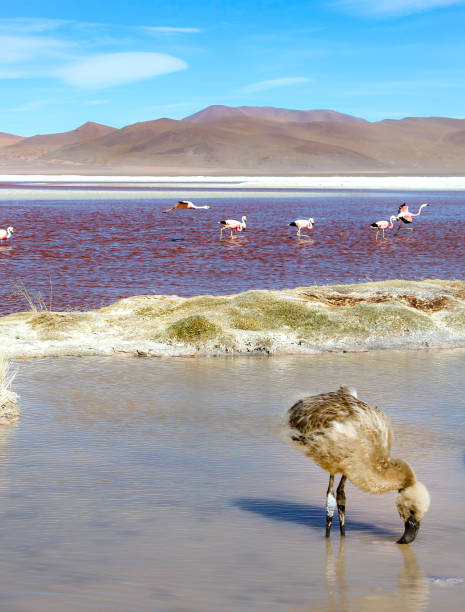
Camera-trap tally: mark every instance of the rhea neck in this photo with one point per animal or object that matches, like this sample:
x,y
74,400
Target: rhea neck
x,y
384,475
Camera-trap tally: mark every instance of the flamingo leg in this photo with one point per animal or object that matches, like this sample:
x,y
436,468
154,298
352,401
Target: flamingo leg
x,y
330,505
384,237
221,232
377,233
298,232
341,505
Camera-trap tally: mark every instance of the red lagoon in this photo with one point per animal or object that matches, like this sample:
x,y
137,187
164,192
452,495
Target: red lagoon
x,y
83,253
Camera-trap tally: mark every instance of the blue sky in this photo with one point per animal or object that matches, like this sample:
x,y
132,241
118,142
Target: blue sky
x,y
118,63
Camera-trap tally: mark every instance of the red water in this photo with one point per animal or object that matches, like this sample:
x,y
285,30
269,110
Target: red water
x,y
93,252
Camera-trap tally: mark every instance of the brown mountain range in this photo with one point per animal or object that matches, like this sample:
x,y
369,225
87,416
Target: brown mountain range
x,y
8,139
36,146
251,140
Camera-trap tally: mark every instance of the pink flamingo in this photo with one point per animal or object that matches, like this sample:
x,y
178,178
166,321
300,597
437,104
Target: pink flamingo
x,y
406,216
303,224
183,205
5,234
383,225
233,225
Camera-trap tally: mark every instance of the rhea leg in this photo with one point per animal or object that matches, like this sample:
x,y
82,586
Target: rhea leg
x,y
330,505
341,505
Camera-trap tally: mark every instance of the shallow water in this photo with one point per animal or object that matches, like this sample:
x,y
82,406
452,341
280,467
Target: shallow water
x,y
164,485
83,253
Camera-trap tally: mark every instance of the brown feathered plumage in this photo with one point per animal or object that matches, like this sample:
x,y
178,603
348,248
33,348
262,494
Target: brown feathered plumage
x,y
344,435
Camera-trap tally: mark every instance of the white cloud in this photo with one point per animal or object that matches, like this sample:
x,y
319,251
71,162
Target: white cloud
x,y
273,83
97,102
383,8
172,30
118,68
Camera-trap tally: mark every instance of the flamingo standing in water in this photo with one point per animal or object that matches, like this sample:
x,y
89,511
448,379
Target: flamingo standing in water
x,y
5,234
344,435
406,216
184,205
383,225
303,224
233,225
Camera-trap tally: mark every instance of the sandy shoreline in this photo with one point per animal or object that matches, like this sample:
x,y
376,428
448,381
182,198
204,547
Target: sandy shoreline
x,y
339,318
395,182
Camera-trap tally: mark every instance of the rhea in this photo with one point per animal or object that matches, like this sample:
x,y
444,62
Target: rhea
x,y
5,234
344,435
185,205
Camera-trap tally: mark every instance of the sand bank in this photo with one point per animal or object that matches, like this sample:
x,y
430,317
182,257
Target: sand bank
x,y
359,317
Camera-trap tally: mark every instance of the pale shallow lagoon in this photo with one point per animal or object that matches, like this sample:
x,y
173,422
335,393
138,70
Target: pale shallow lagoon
x,y
164,485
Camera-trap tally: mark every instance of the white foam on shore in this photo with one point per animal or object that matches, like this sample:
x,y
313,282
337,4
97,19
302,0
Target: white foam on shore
x,y
424,183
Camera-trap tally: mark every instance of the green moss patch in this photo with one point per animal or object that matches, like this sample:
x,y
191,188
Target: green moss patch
x,y
193,329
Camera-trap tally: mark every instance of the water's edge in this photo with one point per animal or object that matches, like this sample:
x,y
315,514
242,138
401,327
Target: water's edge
x,y
360,317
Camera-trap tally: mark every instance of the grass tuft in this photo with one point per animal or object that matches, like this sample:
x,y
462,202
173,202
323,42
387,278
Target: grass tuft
x,y
193,329
7,376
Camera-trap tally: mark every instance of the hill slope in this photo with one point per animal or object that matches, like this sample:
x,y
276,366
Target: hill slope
x,y
35,146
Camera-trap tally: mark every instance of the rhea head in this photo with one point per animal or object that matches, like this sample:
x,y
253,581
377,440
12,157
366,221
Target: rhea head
x,y
412,504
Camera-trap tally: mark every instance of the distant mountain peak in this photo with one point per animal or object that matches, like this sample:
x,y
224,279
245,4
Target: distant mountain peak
x,y
218,112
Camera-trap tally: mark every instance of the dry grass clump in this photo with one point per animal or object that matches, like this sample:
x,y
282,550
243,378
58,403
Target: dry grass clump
x,y
52,325
150,312
247,322
9,409
456,321
35,301
193,329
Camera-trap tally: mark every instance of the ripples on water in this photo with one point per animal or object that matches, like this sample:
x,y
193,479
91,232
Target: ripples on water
x,y
163,485
96,251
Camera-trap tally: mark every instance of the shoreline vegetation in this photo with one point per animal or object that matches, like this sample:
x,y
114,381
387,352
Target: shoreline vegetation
x,y
393,314
9,408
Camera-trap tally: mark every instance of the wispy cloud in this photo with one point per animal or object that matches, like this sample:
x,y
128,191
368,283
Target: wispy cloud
x,y
274,83
17,49
28,106
11,74
28,26
111,69
171,30
387,8
97,102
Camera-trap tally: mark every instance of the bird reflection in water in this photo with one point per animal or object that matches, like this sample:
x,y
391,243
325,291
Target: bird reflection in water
x,y
411,593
